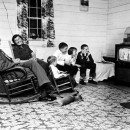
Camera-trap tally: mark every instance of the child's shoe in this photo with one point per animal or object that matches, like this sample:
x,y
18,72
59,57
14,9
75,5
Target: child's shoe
x,y
92,81
82,82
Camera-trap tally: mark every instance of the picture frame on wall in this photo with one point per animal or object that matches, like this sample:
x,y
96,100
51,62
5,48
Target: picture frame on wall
x,y
84,5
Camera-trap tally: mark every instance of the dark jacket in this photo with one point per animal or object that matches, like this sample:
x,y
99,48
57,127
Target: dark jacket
x,y
5,61
84,60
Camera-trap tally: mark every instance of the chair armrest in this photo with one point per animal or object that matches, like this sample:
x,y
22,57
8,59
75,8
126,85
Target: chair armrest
x,y
16,68
63,76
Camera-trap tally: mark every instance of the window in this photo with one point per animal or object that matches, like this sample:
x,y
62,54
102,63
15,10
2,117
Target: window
x,y
34,19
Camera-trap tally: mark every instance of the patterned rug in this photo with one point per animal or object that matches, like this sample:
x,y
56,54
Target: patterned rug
x,y
100,110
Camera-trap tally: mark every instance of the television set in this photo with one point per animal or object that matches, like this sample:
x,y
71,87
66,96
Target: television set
x,y
122,53
122,62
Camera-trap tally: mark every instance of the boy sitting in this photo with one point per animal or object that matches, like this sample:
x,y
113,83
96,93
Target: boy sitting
x,y
52,61
86,61
63,63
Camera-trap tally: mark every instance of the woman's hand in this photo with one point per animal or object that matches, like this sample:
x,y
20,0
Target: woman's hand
x,y
33,58
16,61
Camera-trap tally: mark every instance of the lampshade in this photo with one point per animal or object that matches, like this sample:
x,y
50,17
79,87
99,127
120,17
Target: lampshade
x,y
127,31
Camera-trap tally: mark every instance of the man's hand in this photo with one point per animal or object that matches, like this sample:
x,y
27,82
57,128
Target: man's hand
x,y
16,61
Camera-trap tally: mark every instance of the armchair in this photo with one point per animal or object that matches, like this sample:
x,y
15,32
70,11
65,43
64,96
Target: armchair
x,y
15,81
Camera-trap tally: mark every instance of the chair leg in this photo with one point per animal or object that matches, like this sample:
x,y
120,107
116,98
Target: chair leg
x,y
33,84
8,93
6,90
71,84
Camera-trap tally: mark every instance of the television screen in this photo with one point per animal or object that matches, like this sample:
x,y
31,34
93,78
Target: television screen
x,y
124,54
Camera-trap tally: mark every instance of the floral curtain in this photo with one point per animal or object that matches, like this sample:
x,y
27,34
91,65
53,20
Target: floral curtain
x,y
48,31
22,18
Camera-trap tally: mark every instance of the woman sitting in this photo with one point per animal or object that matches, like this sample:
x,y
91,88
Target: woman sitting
x,y
24,53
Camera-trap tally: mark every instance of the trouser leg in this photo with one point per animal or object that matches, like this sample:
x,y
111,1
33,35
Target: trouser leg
x,y
72,70
44,65
92,70
37,70
61,68
83,72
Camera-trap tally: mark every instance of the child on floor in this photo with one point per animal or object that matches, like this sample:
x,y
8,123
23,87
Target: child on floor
x,y
86,61
63,63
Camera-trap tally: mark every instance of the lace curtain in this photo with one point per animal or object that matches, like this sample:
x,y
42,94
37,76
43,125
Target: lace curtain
x,y
48,31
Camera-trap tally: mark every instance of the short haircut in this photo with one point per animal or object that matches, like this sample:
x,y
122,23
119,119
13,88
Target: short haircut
x,y
83,46
62,45
71,49
13,38
51,59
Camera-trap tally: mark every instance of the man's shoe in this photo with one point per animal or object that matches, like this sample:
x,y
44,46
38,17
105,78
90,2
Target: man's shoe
x,y
49,87
48,98
51,98
125,105
82,82
92,81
